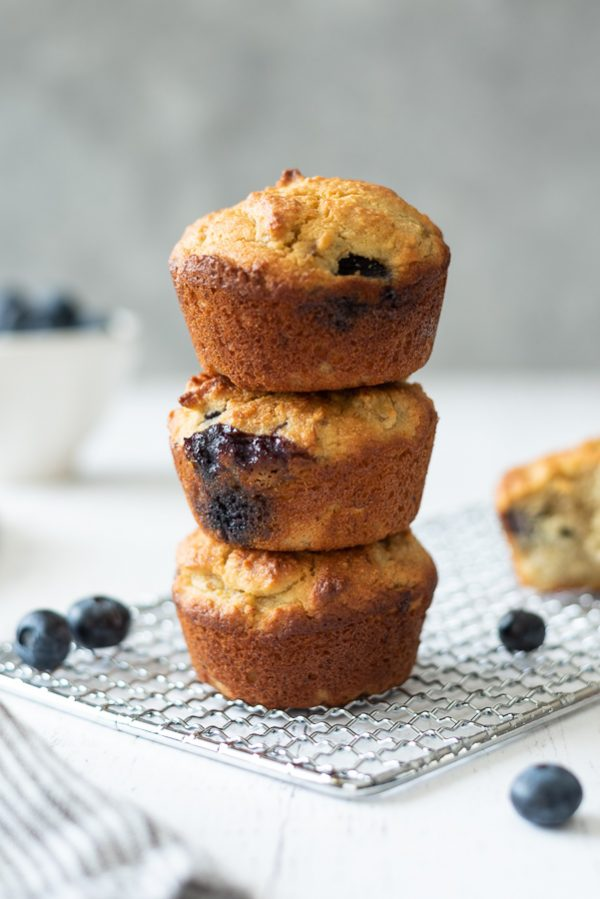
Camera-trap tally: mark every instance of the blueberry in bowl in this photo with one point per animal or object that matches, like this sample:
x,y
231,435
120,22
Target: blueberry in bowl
x,y
67,361
54,310
59,309
15,311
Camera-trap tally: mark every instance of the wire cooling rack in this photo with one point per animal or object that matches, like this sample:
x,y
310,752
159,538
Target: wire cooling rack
x,y
466,694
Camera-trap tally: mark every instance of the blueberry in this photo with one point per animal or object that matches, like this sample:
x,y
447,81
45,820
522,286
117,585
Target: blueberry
x,y
353,264
546,794
60,310
222,446
99,621
14,310
521,630
43,639
518,522
236,515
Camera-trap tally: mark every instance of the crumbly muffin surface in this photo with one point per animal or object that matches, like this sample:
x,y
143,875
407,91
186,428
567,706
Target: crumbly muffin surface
x,y
329,424
268,590
316,228
550,510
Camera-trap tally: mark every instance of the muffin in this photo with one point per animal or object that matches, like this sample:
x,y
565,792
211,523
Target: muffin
x,y
301,629
550,512
307,471
313,284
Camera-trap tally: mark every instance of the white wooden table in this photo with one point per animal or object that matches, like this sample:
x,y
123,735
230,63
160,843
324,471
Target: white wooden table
x,y
114,527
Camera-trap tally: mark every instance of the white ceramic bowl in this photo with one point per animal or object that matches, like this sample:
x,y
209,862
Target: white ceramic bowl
x,y
54,385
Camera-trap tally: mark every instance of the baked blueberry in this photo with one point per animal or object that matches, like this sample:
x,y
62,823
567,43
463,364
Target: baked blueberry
x,y
342,312
99,621
222,446
236,515
546,794
14,310
521,630
337,313
518,522
43,639
353,264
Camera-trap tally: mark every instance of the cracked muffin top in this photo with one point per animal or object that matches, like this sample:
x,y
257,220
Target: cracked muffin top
x,y
560,470
267,589
550,510
329,424
316,228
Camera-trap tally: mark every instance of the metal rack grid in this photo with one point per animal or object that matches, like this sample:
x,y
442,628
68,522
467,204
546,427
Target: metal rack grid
x,y
466,694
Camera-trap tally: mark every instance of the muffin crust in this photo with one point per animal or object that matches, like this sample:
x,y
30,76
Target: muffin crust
x,y
313,284
301,629
304,226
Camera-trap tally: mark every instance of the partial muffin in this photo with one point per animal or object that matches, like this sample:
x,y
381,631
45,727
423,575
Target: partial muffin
x,y
313,471
313,284
302,629
550,511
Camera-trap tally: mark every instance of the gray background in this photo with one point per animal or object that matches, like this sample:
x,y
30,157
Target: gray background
x,y
120,122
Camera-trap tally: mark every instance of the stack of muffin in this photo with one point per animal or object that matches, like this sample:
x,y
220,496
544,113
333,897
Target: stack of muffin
x,y
301,448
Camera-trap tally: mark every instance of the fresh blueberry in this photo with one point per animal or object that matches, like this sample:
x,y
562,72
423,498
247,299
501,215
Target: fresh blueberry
x,y
99,621
43,639
546,794
59,310
14,310
521,630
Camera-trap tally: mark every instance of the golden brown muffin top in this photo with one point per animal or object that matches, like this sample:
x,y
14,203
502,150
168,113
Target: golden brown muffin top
x,y
273,589
331,423
315,228
560,469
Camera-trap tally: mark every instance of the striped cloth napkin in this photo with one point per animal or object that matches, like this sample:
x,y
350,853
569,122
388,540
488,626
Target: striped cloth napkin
x,y
61,838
